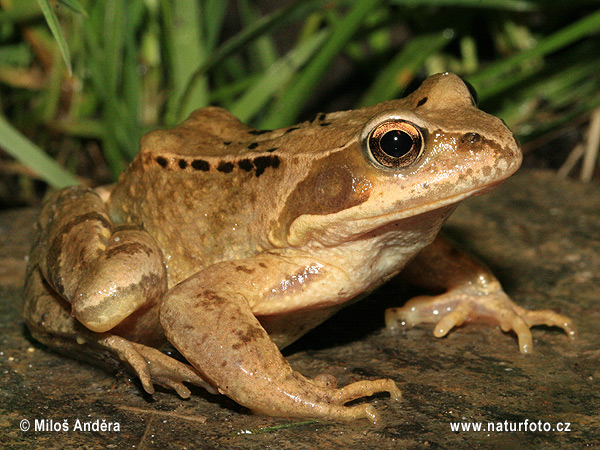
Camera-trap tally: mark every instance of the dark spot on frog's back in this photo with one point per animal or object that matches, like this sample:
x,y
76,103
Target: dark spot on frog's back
x,y
422,101
258,132
225,167
183,163
289,130
162,162
253,146
200,164
260,163
245,164
263,162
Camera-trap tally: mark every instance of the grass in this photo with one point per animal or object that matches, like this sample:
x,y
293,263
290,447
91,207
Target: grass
x,y
81,81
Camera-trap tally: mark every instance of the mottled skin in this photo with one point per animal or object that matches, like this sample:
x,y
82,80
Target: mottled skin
x,y
234,242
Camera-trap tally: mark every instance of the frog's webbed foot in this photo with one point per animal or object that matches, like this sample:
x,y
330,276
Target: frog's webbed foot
x,y
466,303
154,367
217,332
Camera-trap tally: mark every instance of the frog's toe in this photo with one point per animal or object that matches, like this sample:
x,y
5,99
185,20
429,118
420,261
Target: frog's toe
x,y
366,388
155,368
549,318
333,404
170,373
458,306
522,320
351,413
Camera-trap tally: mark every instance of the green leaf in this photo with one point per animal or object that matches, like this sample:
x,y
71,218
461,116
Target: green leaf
x,y
275,77
287,108
54,26
262,52
22,149
74,6
186,47
484,81
214,16
394,78
510,5
269,22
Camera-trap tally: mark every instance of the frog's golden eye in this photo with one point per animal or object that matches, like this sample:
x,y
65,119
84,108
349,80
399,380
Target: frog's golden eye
x,y
395,143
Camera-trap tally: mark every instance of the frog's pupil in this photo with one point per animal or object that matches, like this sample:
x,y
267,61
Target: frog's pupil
x,y
396,143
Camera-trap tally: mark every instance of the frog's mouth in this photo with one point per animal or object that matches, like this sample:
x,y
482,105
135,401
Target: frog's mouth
x,y
395,216
341,228
485,189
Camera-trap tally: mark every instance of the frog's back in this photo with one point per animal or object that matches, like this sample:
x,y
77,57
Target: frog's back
x,y
205,190
214,189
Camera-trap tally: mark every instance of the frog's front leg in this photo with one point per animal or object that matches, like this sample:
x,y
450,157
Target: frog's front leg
x,y
471,291
210,319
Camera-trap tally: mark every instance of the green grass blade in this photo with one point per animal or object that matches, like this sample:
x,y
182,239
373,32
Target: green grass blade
x,y
288,106
22,149
186,49
275,77
485,79
262,52
214,16
509,5
54,26
74,6
394,78
553,93
270,22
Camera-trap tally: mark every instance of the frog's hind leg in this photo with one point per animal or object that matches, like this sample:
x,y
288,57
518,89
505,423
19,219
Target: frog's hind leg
x,y
82,297
215,329
50,322
110,274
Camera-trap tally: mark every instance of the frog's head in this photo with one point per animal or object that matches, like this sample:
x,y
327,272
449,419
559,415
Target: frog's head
x,y
400,159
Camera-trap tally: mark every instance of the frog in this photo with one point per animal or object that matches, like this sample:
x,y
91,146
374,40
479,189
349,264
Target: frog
x,y
229,243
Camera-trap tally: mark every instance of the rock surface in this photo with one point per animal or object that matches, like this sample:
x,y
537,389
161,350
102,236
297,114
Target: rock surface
x,y
539,234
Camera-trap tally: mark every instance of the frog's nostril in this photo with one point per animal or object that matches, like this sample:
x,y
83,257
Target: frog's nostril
x,y
471,138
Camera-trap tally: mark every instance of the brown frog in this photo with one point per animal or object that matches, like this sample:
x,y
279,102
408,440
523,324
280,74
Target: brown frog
x,y
232,242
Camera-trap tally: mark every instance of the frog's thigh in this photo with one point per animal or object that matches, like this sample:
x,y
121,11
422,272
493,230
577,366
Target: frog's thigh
x,y
105,274
50,322
209,320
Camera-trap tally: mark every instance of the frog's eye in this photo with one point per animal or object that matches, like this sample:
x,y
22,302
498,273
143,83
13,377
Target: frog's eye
x,y
395,143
